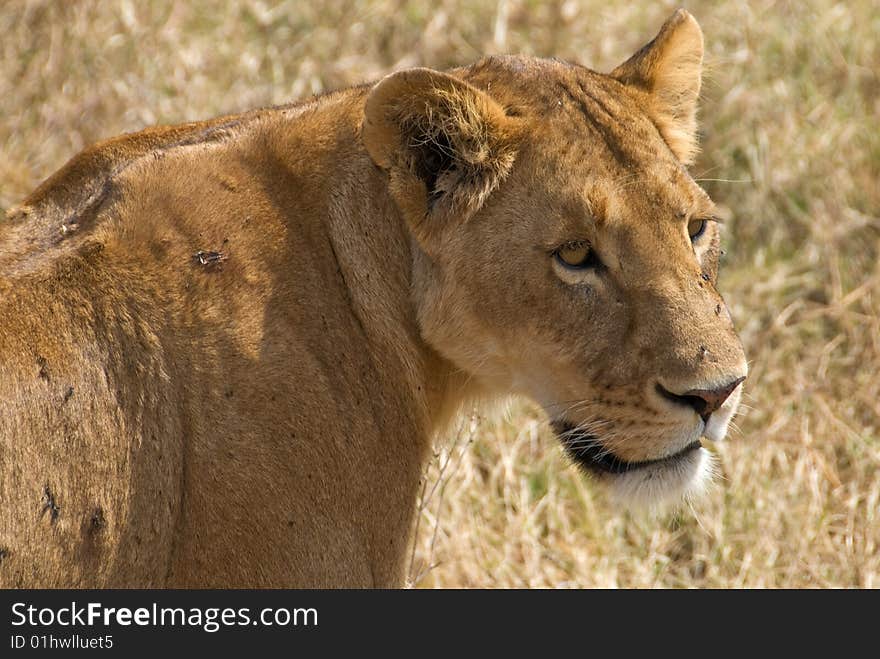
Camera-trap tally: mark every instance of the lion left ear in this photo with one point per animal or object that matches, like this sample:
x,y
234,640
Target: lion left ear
x,y
444,143
669,70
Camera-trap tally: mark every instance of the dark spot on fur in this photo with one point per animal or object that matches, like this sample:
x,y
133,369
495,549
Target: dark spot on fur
x,y
49,504
69,226
208,258
228,393
91,248
717,309
705,277
4,552
18,214
68,395
44,368
97,521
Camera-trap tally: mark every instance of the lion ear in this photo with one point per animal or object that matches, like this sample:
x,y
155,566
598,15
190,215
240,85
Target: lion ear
x,y
445,144
669,69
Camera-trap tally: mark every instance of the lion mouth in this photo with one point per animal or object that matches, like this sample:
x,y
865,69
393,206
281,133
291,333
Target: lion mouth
x,y
587,451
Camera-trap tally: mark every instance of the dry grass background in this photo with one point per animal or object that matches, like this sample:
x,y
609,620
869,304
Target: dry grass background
x,y
791,151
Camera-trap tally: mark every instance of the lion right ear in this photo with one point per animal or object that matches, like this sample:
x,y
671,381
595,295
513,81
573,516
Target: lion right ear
x,y
669,69
444,143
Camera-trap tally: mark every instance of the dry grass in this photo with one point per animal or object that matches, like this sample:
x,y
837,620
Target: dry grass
x,y
791,150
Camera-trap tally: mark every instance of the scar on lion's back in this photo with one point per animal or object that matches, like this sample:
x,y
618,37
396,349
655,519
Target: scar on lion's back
x,y
72,189
85,181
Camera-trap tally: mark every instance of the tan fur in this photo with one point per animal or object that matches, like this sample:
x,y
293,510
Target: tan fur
x,y
668,70
370,261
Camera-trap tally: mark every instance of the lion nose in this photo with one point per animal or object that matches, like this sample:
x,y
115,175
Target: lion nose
x,y
702,401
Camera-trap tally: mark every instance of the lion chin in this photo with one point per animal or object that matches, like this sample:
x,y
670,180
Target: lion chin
x,y
660,487
652,486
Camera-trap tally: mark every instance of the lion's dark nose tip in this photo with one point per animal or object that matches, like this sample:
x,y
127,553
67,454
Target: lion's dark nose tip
x,y
703,401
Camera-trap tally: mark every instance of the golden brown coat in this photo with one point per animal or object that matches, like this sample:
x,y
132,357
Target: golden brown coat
x,y
225,346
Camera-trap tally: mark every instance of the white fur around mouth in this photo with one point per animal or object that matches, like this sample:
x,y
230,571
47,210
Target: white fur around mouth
x,y
666,484
650,484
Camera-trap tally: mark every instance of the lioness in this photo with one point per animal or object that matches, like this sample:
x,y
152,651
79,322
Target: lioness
x,y
225,346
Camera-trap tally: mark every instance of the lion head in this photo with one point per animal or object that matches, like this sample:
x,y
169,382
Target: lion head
x,y
562,250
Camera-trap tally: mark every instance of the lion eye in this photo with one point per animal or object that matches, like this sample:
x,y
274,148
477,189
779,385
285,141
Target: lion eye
x,y
696,228
576,255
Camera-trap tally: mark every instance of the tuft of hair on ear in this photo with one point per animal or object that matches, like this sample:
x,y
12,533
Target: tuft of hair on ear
x,y
445,143
669,71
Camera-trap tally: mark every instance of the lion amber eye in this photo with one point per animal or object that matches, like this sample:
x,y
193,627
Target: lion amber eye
x,y
696,228
575,255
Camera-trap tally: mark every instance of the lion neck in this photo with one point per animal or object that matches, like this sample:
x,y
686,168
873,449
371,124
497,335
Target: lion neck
x,y
383,269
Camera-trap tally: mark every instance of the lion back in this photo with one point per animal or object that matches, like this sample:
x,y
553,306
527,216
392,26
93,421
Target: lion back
x,y
90,425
